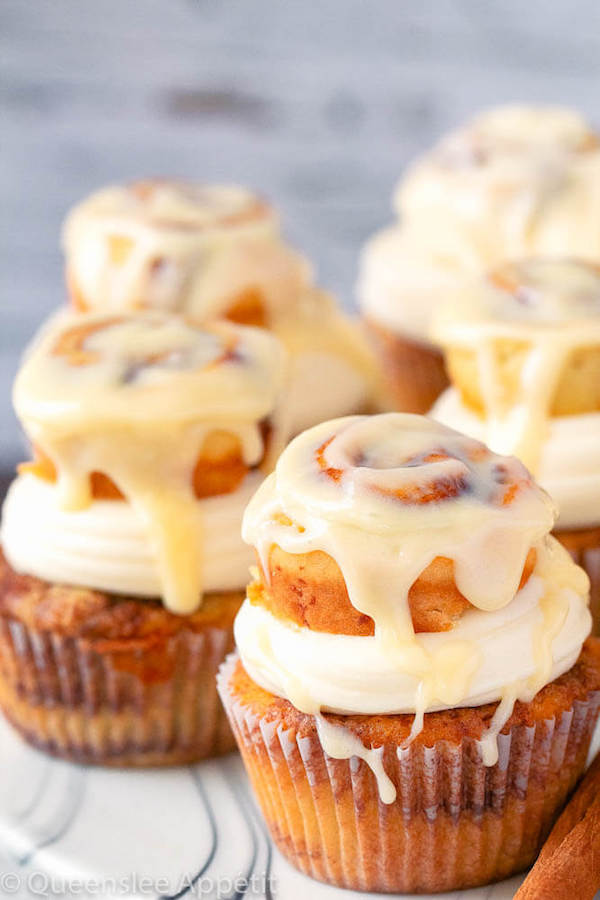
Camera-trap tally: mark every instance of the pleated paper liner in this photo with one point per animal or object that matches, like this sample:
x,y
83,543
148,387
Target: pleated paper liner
x,y
414,372
132,703
584,547
454,824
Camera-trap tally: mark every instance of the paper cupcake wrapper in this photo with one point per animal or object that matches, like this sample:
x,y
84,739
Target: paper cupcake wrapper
x,y
415,372
116,703
588,557
454,824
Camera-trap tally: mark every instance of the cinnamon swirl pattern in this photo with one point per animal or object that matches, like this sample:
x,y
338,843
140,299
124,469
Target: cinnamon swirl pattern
x,y
206,250
515,181
155,417
388,513
211,252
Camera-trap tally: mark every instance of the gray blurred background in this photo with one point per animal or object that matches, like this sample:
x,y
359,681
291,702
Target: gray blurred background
x,y
318,105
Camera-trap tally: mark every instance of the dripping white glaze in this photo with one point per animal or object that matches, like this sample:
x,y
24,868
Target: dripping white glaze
x,y
569,467
550,306
106,546
352,488
516,182
136,398
177,246
204,250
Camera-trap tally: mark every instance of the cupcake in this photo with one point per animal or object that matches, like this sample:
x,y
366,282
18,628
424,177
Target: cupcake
x,y
515,182
523,352
214,251
122,565
415,692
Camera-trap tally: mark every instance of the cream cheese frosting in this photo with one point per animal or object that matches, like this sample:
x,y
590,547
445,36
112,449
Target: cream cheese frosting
x,y
385,496
108,546
552,309
402,281
136,398
350,675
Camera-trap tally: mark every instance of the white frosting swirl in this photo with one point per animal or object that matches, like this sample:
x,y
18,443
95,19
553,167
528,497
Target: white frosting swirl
x,y
569,466
108,546
402,282
350,675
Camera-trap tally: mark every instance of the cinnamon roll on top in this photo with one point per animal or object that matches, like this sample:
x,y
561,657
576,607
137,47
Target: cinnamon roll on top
x,y
516,180
149,435
405,568
212,252
204,250
523,352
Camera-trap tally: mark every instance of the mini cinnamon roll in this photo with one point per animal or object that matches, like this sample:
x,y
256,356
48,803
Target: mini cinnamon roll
x,y
216,252
412,622
515,182
523,351
122,562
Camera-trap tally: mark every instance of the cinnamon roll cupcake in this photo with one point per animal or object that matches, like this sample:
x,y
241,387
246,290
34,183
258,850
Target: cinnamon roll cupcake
x,y
216,252
517,181
122,566
414,694
523,352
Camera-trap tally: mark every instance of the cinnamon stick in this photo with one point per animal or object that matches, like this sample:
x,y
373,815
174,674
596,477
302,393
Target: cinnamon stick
x,y
568,867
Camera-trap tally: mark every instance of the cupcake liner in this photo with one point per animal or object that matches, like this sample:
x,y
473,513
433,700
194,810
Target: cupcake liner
x,y
584,547
133,702
454,824
414,371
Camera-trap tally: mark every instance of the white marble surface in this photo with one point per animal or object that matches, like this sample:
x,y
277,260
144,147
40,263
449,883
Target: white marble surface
x,y
73,832
194,832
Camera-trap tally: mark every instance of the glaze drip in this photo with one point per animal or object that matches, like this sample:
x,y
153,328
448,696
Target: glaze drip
x,y
384,496
551,308
517,180
174,245
211,252
138,398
